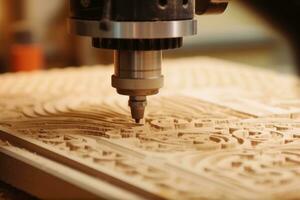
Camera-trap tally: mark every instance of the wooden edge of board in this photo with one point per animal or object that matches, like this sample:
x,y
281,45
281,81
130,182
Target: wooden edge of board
x,y
47,179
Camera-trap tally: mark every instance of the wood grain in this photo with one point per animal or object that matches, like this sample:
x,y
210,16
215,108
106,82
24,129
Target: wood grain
x,y
217,130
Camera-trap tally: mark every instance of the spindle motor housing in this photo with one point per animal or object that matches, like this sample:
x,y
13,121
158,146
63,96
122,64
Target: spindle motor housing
x,y
138,31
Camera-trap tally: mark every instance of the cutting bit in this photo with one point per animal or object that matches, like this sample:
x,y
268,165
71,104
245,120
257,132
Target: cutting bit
x,y
137,106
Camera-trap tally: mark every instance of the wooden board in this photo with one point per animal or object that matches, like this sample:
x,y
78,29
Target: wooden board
x,y
217,130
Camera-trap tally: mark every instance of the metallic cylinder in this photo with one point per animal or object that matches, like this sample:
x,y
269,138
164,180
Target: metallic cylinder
x,y
134,30
138,64
138,73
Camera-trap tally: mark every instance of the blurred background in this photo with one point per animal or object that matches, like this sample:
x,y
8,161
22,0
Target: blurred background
x,y
34,35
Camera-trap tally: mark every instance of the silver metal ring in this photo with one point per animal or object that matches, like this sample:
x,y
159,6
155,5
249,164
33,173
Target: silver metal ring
x,y
137,84
134,30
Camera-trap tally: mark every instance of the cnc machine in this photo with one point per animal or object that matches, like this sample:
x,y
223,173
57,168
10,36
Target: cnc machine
x,y
138,31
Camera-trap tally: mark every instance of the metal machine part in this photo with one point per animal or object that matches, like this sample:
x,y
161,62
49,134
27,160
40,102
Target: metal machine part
x,y
138,75
138,31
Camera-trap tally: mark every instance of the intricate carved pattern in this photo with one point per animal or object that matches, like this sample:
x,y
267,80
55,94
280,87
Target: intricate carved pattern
x,y
225,132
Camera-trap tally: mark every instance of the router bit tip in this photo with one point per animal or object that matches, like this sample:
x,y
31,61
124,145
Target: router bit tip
x,y
137,105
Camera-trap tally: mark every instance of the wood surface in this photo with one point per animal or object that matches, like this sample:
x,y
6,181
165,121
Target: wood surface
x,y
218,130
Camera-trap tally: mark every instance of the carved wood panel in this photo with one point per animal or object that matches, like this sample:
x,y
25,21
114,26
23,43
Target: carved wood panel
x,y
217,130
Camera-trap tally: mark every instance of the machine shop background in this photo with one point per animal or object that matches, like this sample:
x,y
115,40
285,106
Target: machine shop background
x,y
239,35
